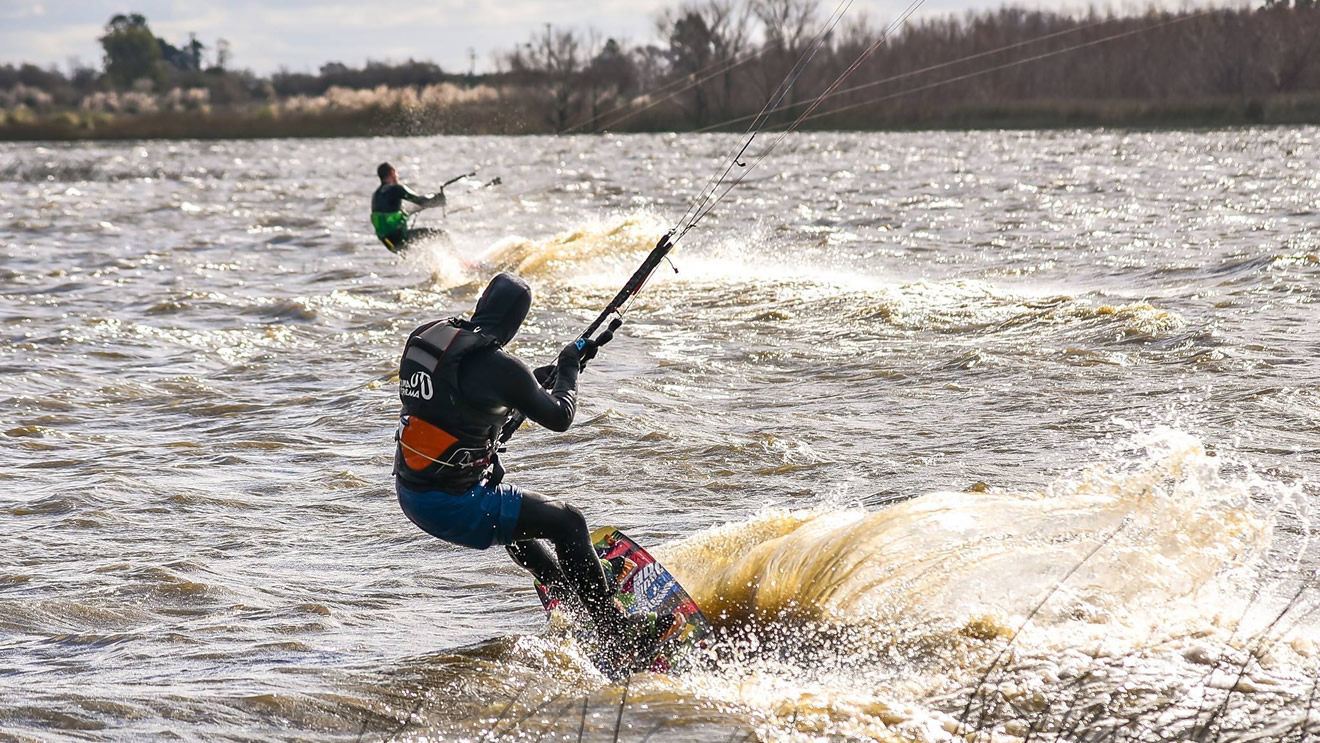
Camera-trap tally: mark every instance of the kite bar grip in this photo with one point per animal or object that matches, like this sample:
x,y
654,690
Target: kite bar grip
x,y
608,335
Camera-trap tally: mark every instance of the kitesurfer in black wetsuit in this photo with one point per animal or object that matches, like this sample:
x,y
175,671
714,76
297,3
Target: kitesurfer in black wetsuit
x,y
387,215
459,389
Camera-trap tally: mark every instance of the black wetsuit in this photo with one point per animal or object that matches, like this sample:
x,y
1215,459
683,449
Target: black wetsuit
x,y
389,219
490,379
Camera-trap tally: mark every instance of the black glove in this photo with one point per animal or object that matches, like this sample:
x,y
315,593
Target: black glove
x,y
580,352
589,350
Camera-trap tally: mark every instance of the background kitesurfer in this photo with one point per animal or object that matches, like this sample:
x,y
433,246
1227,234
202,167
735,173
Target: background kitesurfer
x,y
387,215
459,390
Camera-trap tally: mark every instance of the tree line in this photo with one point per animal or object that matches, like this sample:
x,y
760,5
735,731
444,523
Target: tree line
x,y
719,61
712,64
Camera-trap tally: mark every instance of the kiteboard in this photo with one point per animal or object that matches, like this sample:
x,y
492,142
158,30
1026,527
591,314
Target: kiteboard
x,y
642,585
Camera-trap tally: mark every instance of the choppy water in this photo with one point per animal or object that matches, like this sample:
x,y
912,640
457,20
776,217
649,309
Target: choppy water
x,y
1002,432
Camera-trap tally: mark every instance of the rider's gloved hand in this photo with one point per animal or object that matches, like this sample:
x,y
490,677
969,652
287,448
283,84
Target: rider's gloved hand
x,y
589,349
578,352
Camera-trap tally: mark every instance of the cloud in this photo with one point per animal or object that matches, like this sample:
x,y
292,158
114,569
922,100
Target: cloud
x,y
303,34
52,47
18,11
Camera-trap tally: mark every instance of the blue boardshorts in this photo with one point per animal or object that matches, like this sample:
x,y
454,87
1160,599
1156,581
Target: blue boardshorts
x,y
478,518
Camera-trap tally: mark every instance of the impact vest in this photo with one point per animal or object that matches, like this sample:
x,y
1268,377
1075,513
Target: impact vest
x,y
442,438
387,216
388,224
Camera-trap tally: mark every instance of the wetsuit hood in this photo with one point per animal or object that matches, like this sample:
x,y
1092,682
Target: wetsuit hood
x,y
503,307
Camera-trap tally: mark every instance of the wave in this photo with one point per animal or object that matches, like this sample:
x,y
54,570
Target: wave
x,y
577,248
754,282
1126,535
1009,610
109,169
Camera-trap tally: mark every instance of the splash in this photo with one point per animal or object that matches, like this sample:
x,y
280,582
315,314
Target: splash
x,y
1142,535
1004,611
759,281
619,236
447,267
1141,319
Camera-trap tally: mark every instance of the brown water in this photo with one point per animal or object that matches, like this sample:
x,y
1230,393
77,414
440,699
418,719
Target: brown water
x,y
1000,433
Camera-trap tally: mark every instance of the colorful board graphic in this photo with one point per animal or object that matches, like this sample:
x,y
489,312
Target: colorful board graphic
x,y
643,585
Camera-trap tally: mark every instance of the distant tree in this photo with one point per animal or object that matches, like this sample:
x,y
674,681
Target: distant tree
x,y
1291,60
131,51
333,70
174,57
194,50
615,68
691,49
650,64
418,74
726,35
728,22
232,87
35,77
287,83
610,74
1305,4
554,61
83,78
222,55
788,26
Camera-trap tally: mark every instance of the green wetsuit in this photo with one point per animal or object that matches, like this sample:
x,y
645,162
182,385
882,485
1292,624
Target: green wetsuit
x,y
388,217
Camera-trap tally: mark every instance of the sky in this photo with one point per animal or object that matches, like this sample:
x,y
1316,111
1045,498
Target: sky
x,y
301,35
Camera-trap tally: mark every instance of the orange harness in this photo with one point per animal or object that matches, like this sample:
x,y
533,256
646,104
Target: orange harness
x,y
423,444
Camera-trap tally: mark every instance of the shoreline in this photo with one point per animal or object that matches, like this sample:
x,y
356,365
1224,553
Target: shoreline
x,y
266,123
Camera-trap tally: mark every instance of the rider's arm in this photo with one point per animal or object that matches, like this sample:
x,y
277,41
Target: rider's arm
x,y
413,196
515,385
542,373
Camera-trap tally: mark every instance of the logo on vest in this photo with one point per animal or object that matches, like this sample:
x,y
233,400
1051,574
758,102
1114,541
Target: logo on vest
x,y
418,385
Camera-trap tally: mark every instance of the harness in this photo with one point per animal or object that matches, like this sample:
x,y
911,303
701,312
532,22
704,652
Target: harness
x,y
441,435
